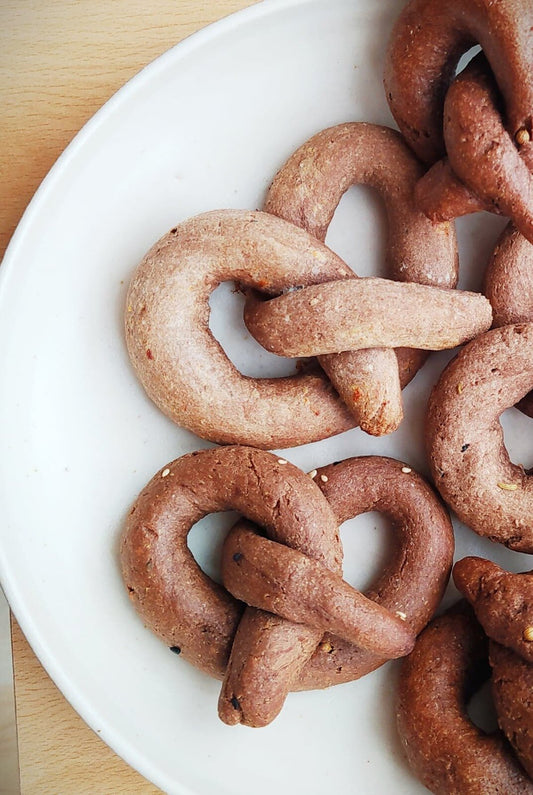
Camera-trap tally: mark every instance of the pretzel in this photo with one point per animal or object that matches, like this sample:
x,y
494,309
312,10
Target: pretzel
x,y
180,364
508,285
465,445
447,752
185,371
485,170
512,685
367,313
307,190
503,603
427,42
204,623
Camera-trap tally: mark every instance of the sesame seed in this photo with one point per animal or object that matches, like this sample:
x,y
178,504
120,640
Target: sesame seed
x,y
313,474
460,387
326,646
401,615
508,486
324,478
165,472
522,137
314,301
281,461
406,470
528,634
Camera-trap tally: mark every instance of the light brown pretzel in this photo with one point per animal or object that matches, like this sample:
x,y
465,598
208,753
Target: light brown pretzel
x,y
181,365
184,369
466,450
426,44
447,752
365,313
484,170
307,190
271,654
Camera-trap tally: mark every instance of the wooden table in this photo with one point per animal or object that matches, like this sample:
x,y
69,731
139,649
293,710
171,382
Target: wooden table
x,y
60,60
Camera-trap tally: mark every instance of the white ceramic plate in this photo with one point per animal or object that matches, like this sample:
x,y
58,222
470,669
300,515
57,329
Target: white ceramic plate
x,y
204,127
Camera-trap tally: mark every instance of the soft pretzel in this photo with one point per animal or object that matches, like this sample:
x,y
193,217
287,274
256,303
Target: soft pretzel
x,y
469,463
366,313
307,190
270,654
427,42
183,368
181,365
484,170
512,685
175,598
445,749
503,603
509,287
411,585
480,150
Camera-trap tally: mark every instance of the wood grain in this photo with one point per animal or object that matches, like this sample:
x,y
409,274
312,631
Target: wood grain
x,y
60,60
58,753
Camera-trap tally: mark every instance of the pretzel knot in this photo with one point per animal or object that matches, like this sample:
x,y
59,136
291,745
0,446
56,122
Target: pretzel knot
x,y
188,375
303,626
452,658
475,130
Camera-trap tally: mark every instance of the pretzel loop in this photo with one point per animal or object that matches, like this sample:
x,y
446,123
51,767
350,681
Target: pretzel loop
x,y
304,626
466,450
484,170
427,42
182,366
307,190
475,130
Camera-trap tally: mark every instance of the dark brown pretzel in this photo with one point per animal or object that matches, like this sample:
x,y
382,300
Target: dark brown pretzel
x,y
466,450
484,170
269,654
447,752
426,44
307,190
503,603
509,287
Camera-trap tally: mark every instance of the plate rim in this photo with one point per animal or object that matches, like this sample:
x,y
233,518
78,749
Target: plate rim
x,y
31,631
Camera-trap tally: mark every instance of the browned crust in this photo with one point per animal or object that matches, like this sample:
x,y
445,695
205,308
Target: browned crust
x,y
426,43
480,150
442,196
367,313
271,655
509,279
180,364
447,752
467,455
509,287
306,191
512,688
503,602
